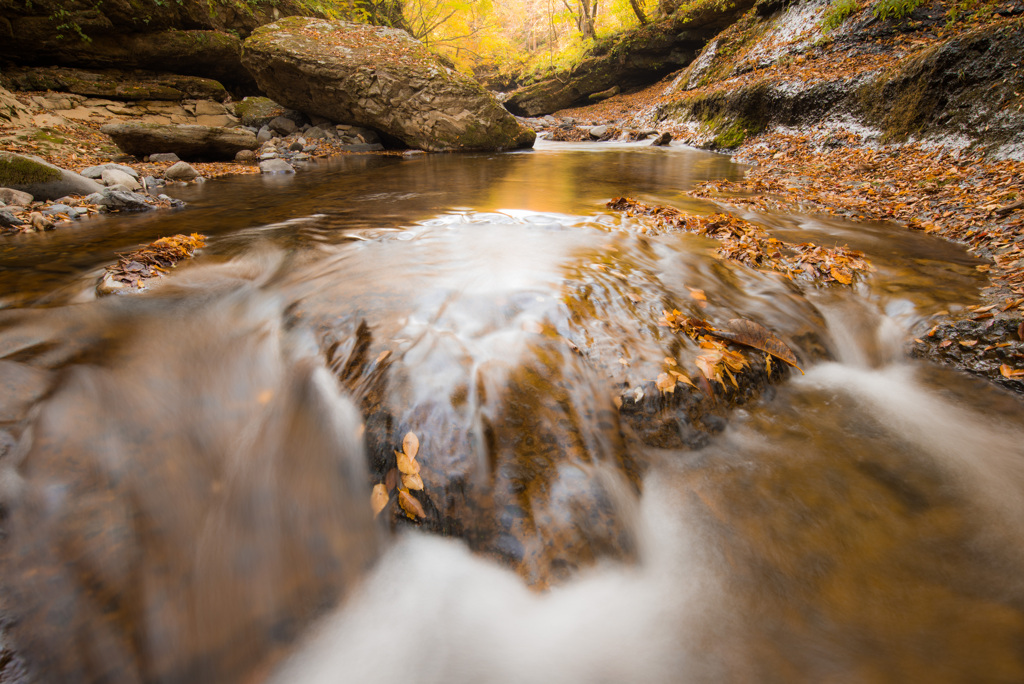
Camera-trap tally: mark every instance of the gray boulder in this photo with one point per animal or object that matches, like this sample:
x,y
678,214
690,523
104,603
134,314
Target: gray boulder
x,y
96,172
186,141
9,220
42,180
120,200
282,125
182,171
378,77
276,166
111,177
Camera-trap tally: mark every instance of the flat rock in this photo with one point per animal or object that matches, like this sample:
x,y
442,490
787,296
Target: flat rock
x,y
40,179
186,141
96,172
118,84
378,77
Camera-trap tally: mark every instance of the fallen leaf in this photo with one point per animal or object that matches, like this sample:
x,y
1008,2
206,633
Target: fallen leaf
x,y
666,383
412,481
755,335
406,465
413,508
1008,372
379,499
411,444
391,479
698,294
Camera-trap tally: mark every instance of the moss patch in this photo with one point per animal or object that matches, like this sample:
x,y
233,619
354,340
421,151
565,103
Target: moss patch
x,y
15,170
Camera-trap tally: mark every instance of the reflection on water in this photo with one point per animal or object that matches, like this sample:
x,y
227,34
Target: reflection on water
x,y
187,474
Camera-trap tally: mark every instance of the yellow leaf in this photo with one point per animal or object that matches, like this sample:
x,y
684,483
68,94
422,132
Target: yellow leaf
x,y
412,481
841,275
379,499
413,508
682,377
411,444
666,383
698,294
406,465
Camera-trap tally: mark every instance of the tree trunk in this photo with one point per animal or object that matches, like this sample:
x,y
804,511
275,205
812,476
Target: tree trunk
x,y
638,11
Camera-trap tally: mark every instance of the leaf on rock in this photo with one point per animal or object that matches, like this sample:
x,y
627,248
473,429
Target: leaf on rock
x,y
406,465
379,498
413,509
391,479
413,481
666,383
1012,373
755,335
411,444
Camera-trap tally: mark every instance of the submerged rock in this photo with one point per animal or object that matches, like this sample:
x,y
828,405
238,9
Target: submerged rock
x,y
40,179
188,142
381,78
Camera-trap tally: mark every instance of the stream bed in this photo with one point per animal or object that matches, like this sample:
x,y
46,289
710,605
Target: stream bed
x,y
186,474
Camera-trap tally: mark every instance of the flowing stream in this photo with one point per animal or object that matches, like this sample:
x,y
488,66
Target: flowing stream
x,y
186,474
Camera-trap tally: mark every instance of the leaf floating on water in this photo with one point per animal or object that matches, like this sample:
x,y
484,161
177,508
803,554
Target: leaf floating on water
x,y
413,509
698,294
391,479
379,499
406,465
411,444
666,383
412,481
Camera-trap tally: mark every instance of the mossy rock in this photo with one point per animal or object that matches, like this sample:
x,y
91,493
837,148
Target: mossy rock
x,y
41,180
258,111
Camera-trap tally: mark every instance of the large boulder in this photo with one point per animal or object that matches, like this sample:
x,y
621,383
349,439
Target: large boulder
x,y
188,142
12,111
42,180
381,78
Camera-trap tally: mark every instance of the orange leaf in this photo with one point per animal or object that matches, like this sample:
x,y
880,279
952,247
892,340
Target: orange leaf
x,y
666,383
412,481
413,508
379,499
411,444
406,465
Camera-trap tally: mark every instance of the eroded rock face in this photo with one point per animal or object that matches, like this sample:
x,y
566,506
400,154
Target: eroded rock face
x,y
188,142
115,83
381,78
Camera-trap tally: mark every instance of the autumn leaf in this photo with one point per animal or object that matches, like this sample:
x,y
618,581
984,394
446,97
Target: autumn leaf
x,y
413,509
406,465
1008,372
379,499
666,383
411,444
391,479
755,335
412,481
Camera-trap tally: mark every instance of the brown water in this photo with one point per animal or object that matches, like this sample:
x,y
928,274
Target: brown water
x,y
187,473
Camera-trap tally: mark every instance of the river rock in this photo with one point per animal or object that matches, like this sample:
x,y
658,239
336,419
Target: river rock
x,y
181,171
164,157
663,140
96,172
117,177
8,219
120,200
282,125
188,142
276,166
40,179
10,196
245,157
257,111
381,78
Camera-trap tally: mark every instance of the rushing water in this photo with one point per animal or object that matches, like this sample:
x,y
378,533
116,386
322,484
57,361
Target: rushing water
x,y
187,473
